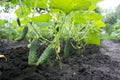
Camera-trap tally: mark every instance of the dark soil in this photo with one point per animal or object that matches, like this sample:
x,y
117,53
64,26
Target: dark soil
x,y
98,63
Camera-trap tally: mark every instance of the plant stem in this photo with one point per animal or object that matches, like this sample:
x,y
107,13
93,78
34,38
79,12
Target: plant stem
x,y
38,34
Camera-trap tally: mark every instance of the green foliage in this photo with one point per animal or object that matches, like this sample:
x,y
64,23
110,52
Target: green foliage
x,y
39,3
14,1
59,20
69,5
112,20
93,37
41,18
8,30
116,31
22,11
72,5
118,12
1,22
98,10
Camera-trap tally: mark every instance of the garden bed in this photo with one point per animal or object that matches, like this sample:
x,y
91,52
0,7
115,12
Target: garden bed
x,y
98,63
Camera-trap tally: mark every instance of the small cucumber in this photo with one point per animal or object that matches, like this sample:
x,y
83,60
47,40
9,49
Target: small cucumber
x,y
18,22
67,48
33,51
45,55
24,32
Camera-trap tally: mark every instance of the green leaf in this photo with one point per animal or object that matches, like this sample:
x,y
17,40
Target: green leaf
x,y
92,7
1,21
23,22
82,16
99,24
14,1
41,18
78,17
55,10
42,3
39,3
70,5
22,11
93,37
93,4
43,24
91,15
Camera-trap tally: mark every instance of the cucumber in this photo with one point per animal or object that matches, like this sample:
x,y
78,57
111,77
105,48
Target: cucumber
x,y
24,32
67,48
33,51
45,55
18,22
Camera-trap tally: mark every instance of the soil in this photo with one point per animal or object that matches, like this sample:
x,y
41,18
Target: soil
x,y
98,63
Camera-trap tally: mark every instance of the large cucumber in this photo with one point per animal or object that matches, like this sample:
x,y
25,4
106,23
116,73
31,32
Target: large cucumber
x,y
33,51
18,22
24,32
45,55
67,48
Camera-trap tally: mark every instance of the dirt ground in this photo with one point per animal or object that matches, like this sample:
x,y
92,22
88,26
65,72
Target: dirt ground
x,y
98,63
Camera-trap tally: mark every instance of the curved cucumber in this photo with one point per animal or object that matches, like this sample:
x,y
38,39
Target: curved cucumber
x,y
24,32
45,55
33,51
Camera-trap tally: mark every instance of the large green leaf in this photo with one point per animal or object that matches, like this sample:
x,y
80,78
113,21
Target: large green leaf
x,y
93,37
22,11
78,17
42,18
93,4
95,18
92,7
92,16
83,16
39,3
70,5
14,1
1,22
99,24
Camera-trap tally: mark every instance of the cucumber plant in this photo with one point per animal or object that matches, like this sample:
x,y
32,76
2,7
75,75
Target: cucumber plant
x,y
58,21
